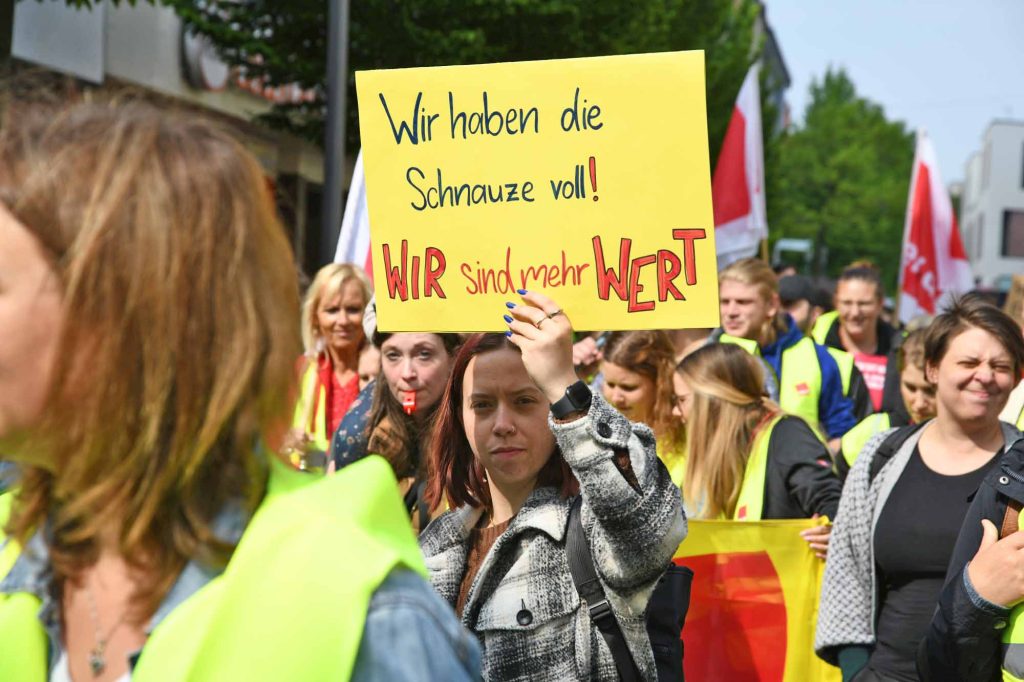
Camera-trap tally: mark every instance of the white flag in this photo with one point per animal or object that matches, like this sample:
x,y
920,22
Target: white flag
x,y
354,240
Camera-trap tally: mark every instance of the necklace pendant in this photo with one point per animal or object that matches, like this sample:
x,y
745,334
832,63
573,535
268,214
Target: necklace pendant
x,y
96,661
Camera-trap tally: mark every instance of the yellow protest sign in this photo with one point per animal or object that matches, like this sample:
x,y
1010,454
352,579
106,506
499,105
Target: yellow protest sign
x,y
585,179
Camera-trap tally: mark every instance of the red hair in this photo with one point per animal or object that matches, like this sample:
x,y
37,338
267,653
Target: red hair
x,y
455,472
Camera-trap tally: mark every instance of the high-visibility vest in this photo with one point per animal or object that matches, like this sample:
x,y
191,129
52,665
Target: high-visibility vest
x,y
311,410
274,613
675,462
854,440
800,383
750,503
845,363
1013,647
822,325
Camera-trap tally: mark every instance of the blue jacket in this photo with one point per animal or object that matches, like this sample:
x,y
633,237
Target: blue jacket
x,y
835,411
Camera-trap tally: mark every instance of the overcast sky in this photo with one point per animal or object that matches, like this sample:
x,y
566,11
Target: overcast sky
x,y
948,66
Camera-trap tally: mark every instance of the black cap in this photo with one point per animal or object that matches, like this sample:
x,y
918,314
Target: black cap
x,y
795,288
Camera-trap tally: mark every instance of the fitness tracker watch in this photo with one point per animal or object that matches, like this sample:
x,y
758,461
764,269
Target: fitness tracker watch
x,y
576,399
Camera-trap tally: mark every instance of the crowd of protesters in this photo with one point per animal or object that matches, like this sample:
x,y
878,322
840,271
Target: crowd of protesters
x,y
207,479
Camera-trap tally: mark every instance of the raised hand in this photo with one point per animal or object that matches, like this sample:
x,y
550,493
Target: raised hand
x,y
543,332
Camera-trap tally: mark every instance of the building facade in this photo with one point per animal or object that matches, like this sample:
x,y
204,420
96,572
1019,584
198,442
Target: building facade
x,y
145,49
992,205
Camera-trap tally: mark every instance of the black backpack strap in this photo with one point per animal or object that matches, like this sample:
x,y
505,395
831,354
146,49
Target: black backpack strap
x,y
890,446
588,585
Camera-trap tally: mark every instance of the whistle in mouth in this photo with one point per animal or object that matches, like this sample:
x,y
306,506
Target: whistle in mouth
x,y
408,402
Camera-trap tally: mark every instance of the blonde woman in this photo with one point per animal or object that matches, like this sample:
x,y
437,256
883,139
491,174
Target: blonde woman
x,y
746,459
146,374
332,333
636,371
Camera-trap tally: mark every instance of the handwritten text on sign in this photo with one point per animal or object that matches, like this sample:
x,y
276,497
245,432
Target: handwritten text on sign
x,y
587,179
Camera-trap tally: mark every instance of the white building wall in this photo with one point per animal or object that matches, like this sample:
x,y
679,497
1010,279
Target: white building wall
x,y
994,183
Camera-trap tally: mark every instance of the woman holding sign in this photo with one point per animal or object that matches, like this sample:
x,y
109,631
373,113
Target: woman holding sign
x,y
746,459
518,440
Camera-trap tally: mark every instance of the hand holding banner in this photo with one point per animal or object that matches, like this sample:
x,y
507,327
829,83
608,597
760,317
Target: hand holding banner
x,y
586,179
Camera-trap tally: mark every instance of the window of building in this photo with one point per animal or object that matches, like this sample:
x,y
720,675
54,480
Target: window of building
x,y
1013,234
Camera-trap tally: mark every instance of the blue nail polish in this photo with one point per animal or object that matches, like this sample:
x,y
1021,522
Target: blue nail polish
x,y
507,319
509,305
508,334
521,292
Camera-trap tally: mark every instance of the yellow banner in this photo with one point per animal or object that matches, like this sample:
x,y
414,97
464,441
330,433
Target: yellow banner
x,y
754,602
585,179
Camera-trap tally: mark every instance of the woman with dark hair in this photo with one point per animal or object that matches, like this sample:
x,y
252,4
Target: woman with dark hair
x,y
916,394
856,326
403,400
907,494
517,439
636,371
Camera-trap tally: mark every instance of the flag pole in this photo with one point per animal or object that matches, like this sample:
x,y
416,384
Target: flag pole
x,y
334,128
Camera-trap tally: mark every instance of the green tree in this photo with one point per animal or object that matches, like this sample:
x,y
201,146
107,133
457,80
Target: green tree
x,y
841,179
285,42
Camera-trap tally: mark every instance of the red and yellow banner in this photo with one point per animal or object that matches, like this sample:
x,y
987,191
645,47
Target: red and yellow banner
x,y
754,602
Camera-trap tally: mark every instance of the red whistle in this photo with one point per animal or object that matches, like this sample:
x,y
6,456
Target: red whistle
x,y
408,402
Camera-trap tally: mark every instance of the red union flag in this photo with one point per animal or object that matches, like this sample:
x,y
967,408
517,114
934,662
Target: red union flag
x,y
934,264
354,240
737,188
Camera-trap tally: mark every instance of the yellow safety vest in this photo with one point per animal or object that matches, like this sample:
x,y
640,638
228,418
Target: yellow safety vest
x,y
675,462
845,362
800,383
309,391
822,325
854,440
274,614
750,503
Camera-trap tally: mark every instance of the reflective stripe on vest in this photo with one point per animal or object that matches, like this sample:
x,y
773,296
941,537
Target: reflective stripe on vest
x,y
800,383
274,614
854,440
845,362
310,391
821,326
750,503
1013,648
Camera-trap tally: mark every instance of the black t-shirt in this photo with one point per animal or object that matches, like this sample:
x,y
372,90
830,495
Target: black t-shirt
x,y
914,539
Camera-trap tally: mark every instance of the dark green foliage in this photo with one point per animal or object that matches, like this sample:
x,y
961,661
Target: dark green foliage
x,y
407,33
842,179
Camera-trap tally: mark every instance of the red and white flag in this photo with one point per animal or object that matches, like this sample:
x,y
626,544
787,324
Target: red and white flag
x,y
737,188
934,265
354,240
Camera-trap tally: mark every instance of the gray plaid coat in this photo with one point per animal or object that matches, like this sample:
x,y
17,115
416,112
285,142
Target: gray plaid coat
x,y
632,533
